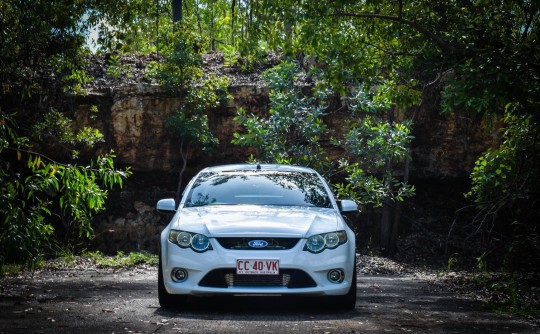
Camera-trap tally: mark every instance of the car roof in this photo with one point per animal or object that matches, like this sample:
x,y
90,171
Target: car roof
x,y
254,167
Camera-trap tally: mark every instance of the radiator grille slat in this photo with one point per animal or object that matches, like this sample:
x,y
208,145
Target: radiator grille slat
x,y
273,243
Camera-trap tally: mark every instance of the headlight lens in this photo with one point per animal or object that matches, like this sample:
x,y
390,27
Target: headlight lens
x,y
200,242
331,240
315,243
183,239
197,242
319,242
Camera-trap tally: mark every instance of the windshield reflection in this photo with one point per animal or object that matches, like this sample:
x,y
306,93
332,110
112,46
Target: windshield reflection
x,y
259,188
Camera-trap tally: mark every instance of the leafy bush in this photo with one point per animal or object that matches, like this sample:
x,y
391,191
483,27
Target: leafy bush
x,y
34,189
182,64
505,185
122,260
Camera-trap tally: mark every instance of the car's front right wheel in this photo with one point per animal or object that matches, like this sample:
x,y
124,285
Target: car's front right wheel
x,y
166,300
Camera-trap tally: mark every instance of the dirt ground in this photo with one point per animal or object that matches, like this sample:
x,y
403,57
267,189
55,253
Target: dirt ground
x,y
125,301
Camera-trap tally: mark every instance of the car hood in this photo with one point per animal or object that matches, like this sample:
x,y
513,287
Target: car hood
x,y
251,220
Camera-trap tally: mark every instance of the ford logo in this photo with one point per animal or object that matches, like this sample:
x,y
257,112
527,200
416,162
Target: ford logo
x,y
258,243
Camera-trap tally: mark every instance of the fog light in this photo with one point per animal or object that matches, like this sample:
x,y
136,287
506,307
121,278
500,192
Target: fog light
x,y
336,276
179,275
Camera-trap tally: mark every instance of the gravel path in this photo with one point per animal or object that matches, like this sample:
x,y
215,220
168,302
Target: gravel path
x,y
391,298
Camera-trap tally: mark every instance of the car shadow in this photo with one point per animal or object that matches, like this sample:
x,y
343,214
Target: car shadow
x,y
257,308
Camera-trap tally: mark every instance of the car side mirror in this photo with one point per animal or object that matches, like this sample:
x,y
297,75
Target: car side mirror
x,y
348,206
167,205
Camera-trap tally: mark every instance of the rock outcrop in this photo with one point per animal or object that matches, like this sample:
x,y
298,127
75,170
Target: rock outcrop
x,y
132,117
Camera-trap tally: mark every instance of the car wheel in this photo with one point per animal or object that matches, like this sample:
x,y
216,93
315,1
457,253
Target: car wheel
x,y
348,301
166,300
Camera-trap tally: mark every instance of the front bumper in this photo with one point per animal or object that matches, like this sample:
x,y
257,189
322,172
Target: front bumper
x,y
301,273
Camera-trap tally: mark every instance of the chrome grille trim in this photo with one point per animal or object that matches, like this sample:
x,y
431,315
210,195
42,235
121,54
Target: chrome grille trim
x,y
241,243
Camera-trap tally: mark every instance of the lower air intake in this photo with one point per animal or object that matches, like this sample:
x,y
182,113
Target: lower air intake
x,y
287,278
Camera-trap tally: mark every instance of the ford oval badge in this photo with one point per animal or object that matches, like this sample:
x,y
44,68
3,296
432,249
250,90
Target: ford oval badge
x,y
258,243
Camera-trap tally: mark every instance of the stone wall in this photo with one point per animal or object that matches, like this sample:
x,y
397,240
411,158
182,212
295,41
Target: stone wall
x,y
132,119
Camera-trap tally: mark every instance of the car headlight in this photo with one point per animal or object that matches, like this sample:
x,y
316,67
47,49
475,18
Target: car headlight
x,y
196,241
319,242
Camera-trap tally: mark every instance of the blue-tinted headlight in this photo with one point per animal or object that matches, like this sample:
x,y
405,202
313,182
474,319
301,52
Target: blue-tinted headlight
x,y
200,242
315,243
197,242
319,242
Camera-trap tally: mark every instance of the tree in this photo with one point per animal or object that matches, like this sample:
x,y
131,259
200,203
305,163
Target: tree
x,y
376,143
181,72
481,56
292,132
41,194
190,122
506,187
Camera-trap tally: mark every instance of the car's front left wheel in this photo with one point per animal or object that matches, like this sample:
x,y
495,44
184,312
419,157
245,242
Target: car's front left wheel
x,y
348,301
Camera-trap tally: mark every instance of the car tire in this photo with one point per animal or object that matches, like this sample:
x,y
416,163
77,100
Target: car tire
x,y
166,300
348,301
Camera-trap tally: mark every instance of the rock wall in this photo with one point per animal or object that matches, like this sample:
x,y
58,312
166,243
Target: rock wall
x,y
132,119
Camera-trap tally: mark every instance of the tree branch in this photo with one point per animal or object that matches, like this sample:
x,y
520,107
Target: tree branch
x,y
37,154
444,45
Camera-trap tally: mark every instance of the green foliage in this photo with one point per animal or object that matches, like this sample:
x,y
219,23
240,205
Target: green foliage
x,y
481,55
293,130
34,32
375,144
509,292
116,69
511,298
66,259
193,129
70,70
121,260
182,63
35,188
182,71
505,183
75,80
450,266
57,127
498,175
190,121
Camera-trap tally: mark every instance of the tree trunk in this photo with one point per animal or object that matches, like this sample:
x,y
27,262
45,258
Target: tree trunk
x,y
212,28
386,221
233,7
177,10
386,225
288,31
184,155
397,212
386,218
157,28
392,248
198,14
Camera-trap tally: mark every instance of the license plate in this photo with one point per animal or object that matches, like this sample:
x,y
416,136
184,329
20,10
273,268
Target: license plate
x,y
257,267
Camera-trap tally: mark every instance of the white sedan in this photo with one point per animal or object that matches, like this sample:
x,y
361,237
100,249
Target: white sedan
x,y
257,230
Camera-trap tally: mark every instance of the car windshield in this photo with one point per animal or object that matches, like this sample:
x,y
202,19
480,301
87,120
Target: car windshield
x,y
259,188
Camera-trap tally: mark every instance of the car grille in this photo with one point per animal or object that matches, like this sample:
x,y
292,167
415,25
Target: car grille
x,y
273,243
288,278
